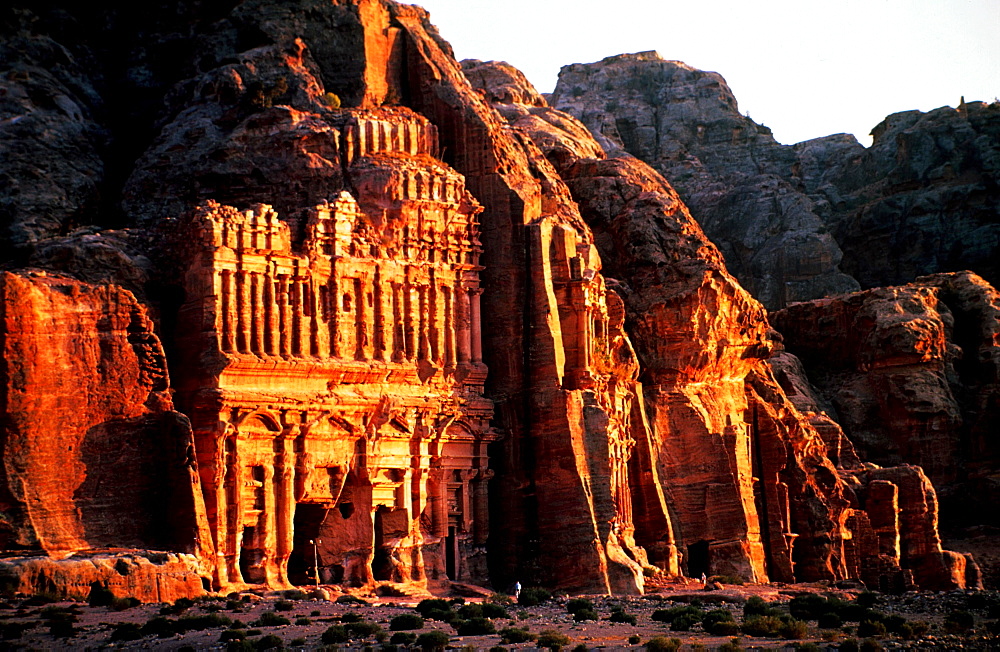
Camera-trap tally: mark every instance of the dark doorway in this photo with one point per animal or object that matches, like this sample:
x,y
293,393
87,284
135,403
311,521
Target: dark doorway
x,y
251,557
698,559
301,563
451,554
381,562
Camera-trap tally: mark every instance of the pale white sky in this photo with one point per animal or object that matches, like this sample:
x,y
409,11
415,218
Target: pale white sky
x,y
804,68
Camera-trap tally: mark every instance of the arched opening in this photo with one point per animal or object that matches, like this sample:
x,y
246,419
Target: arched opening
x,y
698,559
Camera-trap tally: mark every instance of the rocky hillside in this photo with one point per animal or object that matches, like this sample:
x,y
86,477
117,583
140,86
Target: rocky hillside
x,y
406,323
813,219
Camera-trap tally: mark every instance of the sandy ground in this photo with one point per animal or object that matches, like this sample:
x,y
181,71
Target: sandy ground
x,y
94,626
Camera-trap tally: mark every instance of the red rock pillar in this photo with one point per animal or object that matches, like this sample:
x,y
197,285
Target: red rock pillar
x,y
305,317
257,324
477,326
284,317
481,507
284,515
462,324
228,310
272,335
244,311
449,326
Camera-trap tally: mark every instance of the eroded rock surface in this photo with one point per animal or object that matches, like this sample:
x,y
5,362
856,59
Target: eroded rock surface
x,y
911,372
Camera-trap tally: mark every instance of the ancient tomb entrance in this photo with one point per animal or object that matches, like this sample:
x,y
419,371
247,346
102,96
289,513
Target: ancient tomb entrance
x,y
309,519
698,559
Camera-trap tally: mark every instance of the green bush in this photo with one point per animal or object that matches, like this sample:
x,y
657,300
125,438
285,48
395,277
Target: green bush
x,y
869,628
232,635
808,607
284,605
956,622
552,639
727,579
350,599
295,594
476,627
793,629
586,614
269,642
829,620
762,626
731,646
334,634
868,645
362,629
403,638
663,644
160,626
533,596
632,640
717,617
516,635
436,640
271,619
755,606
406,621
470,611
201,622
126,632
303,621
492,610
618,615
240,646
100,596
579,604
351,617
849,645
684,623
668,615
867,599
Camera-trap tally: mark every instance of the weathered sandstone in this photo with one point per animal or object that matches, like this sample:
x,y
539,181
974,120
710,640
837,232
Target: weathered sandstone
x,y
911,374
416,331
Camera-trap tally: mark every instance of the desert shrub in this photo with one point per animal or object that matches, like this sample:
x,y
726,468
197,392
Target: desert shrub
x,y
179,606
807,647
552,639
351,617
269,642
684,623
492,610
868,645
763,626
436,640
727,579
829,620
295,594
498,648
632,640
403,638
755,606
893,623
668,615
11,631
406,621
100,596
516,635
160,626
793,629
362,629
867,599
202,621
232,635
284,605
663,644
808,607
618,615
297,642
731,646
586,614
432,604
239,646
126,632
234,605
579,604
237,624
957,622
871,628
533,595
476,627
254,632
271,619
62,629
334,634
716,617
303,621
350,599
849,645
470,611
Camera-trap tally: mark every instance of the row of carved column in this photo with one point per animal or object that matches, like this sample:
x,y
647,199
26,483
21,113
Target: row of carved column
x,y
289,316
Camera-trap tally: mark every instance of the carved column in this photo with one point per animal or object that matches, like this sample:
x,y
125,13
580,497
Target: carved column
x,y
423,342
229,313
271,334
305,317
257,323
284,317
481,507
449,326
399,326
295,299
410,306
462,324
477,326
268,525
285,506
243,308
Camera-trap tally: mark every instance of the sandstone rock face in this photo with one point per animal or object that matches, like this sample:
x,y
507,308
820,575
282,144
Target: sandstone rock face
x,y
94,455
817,218
911,373
416,331
729,171
922,199
765,501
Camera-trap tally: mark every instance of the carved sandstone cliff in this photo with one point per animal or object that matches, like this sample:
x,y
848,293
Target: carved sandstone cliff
x,y
776,507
